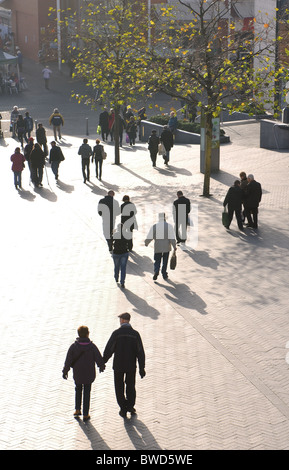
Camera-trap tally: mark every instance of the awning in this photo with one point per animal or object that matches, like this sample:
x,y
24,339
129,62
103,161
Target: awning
x,y
6,58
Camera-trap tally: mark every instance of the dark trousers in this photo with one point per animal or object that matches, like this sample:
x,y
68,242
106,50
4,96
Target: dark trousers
x,y
158,257
252,211
98,168
238,217
124,384
54,168
86,397
36,175
181,231
154,155
85,169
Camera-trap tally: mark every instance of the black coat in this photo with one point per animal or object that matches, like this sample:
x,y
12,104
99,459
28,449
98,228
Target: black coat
x,y
234,198
55,154
41,135
184,201
253,194
128,212
153,143
82,356
37,158
109,216
167,139
103,120
126,345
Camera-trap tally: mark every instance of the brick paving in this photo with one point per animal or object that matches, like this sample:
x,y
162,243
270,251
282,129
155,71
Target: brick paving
x,y
215,333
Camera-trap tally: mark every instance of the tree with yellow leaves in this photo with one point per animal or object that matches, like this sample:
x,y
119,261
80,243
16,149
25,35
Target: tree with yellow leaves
x,y
206,59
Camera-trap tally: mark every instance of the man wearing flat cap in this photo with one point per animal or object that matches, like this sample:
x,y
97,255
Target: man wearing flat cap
x,y
126,345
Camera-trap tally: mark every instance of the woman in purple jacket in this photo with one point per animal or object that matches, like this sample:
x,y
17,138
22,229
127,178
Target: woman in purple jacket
x,y
82,356
18,164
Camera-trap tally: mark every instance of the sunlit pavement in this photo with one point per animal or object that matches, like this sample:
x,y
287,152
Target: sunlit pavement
x,y
215,332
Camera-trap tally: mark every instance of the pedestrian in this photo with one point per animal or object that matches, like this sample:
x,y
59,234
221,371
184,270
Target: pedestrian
x,y
243,184
18,164
111,118
126,345
108,208
131,130
173,122
153,146
27,152
141,117
85,151
28,126
167,139
163,235
37,162
253,196
103,123
56,120
20,60
55,158
41,138
13,121
46,72
181,210
97,155
234,198
20,126
82,356
120,252
128,113
128,219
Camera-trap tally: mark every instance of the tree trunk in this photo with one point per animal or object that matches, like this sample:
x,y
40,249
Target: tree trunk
x,y
116,136
208,154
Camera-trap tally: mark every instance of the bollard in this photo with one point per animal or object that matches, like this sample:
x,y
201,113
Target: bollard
x,y
87,133
35,122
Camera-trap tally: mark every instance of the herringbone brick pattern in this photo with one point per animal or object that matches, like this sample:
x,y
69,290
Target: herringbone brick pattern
x,y
215,333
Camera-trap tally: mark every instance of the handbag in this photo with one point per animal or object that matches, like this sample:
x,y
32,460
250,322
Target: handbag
x,y
103,154
173,261
161,149
225,218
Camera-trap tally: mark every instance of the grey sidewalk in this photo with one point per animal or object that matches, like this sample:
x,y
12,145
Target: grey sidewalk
x,y
215,333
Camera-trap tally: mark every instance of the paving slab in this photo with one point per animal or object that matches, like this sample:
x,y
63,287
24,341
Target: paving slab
x,y
215,333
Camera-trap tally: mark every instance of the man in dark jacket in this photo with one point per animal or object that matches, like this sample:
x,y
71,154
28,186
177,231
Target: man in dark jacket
x,y
41,138
27,151
253,196
103,122
153,146
234,199
128,219
126,345
55,157
108,209
243,184
181,210
82,356
167,139
85,151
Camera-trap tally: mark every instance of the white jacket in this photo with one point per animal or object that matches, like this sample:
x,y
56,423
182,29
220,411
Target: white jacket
x,y
163,235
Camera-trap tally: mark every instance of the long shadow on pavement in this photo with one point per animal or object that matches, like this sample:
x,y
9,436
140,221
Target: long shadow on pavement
x,y
140,435
182,295
97,443
141,305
